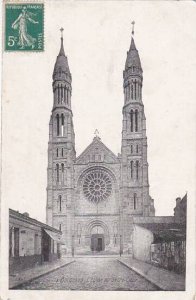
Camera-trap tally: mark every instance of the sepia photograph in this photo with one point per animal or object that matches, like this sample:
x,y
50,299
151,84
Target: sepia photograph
x,y
98,149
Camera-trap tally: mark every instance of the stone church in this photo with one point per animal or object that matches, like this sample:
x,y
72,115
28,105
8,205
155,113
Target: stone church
x,y
92,198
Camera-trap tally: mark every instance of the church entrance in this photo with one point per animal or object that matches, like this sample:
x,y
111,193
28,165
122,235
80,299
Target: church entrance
x,y
97,242
97,239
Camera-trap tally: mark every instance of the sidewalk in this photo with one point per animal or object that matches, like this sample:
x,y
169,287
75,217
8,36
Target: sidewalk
x,y
165,280
21,277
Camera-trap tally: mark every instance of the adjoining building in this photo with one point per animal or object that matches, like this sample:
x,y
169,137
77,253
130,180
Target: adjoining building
x,y
31,242
163,241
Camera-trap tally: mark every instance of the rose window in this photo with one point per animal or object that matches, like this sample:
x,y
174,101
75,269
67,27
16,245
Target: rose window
x,y
97,186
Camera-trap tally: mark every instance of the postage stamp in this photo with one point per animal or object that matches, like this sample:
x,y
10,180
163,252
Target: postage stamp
x,y
24,27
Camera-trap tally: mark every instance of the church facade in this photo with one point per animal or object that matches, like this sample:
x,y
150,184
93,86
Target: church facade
x,y
92,198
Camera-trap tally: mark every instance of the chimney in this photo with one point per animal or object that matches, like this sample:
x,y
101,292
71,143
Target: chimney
x,y
26,214
178,200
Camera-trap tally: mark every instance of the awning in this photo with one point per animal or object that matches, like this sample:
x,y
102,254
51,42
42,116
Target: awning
x,y
55,236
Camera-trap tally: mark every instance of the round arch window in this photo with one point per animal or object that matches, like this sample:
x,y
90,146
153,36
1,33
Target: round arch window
x,y
97,185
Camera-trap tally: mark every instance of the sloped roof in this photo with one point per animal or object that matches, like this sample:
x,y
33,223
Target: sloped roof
x,y
133,59
165,232
96,146
61,61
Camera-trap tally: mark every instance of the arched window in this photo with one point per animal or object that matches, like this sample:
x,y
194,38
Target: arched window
x,y
57,125
61,93
135,201
67,95
62,172
131,119
62,124
137,148
58,93
62,152
131,165
60,202
136,120
135,89
132,90
131,148
57,173
60,226
137,169
57,152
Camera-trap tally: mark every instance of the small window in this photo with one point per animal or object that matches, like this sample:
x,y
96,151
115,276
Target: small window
x,y
131,148
62,125
57,172
57,152
137,169
60,226
136,120
60,202
137,148
131,120
57,124
135,201
62,152
131,165
62,173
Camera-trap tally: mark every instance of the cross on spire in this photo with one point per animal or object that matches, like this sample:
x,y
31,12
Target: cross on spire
x,y
133,23
61,30
96,133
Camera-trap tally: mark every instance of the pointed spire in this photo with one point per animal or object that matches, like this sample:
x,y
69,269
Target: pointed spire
x,y
133,59
132,47
62,52
61,66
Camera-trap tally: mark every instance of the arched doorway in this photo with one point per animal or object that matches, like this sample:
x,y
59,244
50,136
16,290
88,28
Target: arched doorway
x,y
97,238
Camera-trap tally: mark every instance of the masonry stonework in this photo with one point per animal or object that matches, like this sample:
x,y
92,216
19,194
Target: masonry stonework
x,y
93,198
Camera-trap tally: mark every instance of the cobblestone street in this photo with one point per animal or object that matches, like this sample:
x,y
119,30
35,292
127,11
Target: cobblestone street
x,y
91,274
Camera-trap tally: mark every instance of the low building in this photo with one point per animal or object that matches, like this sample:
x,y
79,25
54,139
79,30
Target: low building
x,y
31,242
162,240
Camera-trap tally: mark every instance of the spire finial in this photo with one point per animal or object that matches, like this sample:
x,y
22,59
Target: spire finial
x,y
133,23
96,133
61,30
62,48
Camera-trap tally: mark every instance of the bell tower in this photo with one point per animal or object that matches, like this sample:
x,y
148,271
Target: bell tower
x,y
135,186
61,150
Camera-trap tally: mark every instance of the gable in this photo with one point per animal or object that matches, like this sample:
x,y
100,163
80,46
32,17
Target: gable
x,y
97,152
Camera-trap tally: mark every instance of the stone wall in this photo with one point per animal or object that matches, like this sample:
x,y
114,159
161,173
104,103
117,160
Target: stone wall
x,y
142,240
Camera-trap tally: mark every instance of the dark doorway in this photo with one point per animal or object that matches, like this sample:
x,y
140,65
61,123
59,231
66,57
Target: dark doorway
x,y
46,246
16,241
97,242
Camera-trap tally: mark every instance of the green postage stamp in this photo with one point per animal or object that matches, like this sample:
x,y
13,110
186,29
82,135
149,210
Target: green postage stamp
x,y
24,27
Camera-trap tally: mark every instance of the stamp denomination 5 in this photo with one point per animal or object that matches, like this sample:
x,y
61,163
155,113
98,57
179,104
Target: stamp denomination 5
x,y
24,27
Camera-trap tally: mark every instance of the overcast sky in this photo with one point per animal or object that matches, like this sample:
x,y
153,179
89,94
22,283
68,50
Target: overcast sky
x,y
97,36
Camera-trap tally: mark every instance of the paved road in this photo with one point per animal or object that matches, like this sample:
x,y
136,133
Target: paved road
x,y
101,274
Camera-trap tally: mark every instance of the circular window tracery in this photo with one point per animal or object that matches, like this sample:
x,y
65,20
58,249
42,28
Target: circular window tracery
x,y
97,186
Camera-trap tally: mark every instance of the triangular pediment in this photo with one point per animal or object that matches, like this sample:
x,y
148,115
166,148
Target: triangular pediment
x,y
97,152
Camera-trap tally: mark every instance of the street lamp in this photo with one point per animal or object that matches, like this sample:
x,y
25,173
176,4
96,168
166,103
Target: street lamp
x,y
72,249
120,245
